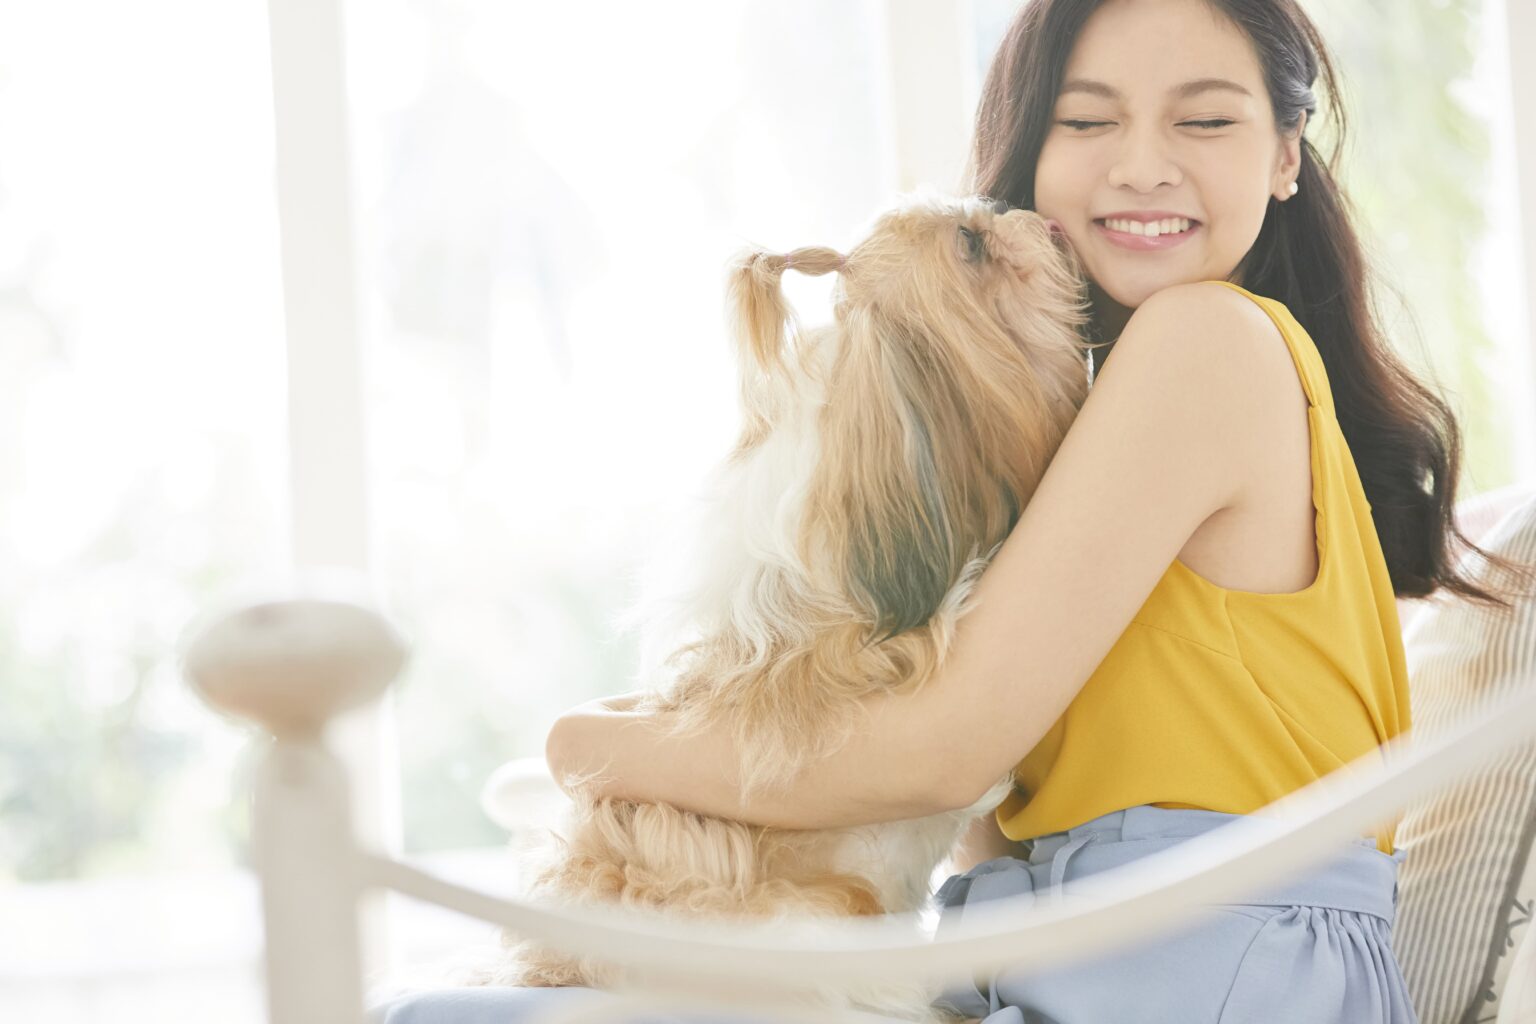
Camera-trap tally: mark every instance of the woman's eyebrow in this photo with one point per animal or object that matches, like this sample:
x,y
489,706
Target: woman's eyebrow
x,y
1191,88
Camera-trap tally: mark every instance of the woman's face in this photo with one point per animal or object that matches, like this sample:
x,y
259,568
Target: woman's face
x,y
1137,146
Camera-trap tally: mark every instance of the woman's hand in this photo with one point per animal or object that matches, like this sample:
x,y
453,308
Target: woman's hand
x,y
605,749
576,735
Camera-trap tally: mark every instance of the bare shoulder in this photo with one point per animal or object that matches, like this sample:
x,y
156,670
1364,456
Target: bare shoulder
x,y
1215,324
1216,348
1236,372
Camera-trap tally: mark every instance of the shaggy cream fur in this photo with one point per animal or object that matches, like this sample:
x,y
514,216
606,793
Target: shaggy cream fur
x,y
882,461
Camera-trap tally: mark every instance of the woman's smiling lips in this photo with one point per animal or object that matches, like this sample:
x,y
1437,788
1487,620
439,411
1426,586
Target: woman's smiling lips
x,y
1142,243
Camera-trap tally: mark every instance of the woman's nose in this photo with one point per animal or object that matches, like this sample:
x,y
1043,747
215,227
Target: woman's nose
x,y
1144,166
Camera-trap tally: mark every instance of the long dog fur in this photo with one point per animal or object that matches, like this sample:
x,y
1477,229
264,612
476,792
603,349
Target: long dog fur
x,y
882,460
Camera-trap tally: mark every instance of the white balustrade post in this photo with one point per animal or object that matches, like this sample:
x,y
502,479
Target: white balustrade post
x,y
291,662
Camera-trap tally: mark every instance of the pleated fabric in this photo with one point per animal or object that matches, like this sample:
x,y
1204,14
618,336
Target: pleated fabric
x,y
1469,885
1315,947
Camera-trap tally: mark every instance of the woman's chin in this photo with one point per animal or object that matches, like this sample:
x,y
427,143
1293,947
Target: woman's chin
x,y
1130,288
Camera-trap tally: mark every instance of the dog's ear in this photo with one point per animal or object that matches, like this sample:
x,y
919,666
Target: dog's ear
x,y
762,326
894,489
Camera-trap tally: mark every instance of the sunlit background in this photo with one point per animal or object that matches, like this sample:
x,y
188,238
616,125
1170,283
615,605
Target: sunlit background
x,y
545,196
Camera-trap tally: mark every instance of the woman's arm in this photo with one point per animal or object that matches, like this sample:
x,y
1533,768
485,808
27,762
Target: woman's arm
x,y
1167,437
631,754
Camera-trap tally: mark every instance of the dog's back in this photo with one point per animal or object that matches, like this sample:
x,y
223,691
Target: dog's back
x,y
881,463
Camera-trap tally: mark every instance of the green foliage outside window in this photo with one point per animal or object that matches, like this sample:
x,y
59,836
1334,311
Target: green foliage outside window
x,y
1416,168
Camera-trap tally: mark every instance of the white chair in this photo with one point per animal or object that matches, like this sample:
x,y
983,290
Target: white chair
x,y
292,662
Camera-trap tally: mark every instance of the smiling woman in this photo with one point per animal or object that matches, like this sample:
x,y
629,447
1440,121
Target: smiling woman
x,y
1195,613
1200,528
1129,127
1198,110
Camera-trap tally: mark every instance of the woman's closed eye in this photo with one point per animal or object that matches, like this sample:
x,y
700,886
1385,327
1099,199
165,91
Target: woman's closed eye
x,y
1217,122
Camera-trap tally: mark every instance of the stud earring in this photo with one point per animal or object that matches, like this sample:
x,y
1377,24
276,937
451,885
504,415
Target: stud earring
x,y
1295,188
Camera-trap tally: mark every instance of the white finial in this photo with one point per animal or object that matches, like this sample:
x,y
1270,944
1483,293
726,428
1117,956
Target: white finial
x,y
292,655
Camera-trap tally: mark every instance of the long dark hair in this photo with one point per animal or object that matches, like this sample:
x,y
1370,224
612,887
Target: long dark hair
x,y
1404,438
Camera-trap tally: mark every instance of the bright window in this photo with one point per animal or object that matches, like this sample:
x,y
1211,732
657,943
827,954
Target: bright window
x,y
546,196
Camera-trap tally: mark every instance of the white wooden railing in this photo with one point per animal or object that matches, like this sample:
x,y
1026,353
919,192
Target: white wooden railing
x,y
291,662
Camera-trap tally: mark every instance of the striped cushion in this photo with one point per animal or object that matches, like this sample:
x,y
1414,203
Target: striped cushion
x,y
1468,886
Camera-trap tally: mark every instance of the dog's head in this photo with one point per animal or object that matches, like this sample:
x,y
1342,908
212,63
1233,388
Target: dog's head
x,y
945,384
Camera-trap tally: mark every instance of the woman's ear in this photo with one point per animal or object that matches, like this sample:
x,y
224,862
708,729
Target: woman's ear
x,y
1290,160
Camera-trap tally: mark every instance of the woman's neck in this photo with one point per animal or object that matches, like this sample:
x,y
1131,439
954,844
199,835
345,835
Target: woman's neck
x,y
1109,319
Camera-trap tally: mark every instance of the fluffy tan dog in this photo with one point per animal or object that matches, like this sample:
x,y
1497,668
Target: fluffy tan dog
x,y
882,461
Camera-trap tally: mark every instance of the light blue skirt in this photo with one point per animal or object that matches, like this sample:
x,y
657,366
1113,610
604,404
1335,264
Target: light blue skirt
x,y
1315,948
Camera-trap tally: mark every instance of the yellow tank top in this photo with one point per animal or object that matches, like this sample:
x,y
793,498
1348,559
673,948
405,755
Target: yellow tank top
x,y
1229,699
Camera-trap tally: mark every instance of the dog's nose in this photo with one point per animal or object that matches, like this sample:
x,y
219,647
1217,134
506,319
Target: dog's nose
x,y
1000,206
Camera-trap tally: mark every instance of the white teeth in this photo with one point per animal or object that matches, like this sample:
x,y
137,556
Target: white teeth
x,y
1151,229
